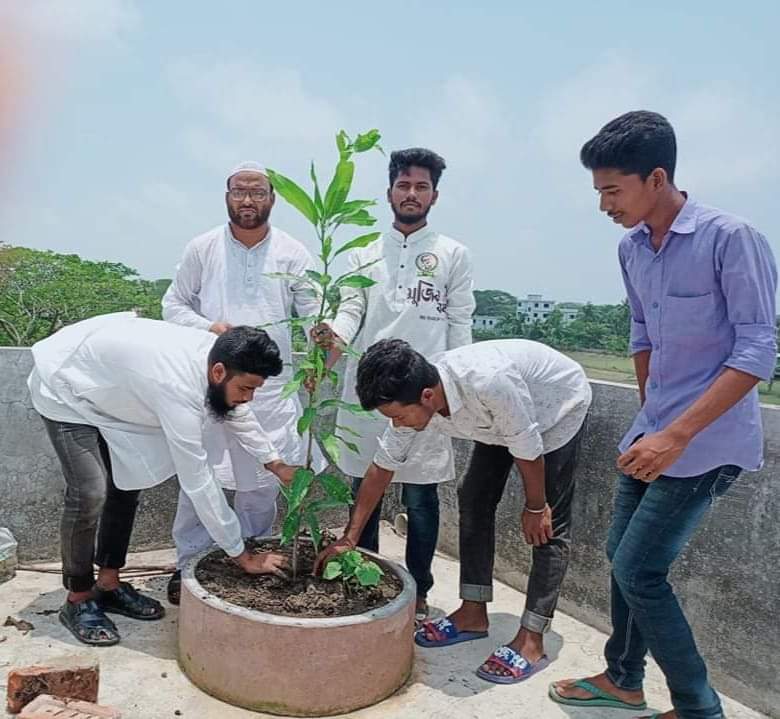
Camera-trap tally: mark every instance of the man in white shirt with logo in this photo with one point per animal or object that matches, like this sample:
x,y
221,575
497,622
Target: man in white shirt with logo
x,y
525,404
223,281
423,294
124,400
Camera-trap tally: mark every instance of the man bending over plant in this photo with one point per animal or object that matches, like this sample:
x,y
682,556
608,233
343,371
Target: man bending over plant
x,y
525,404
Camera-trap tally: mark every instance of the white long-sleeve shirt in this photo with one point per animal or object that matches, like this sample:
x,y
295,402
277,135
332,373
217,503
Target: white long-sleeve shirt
x,y
424,295
142,383
221,280
518,394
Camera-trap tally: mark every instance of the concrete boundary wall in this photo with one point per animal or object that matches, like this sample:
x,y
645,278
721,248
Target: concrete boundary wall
x,y
728,578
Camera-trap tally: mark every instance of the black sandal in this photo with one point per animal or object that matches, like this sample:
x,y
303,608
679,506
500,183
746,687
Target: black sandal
x,y
174,588
88,623
128,602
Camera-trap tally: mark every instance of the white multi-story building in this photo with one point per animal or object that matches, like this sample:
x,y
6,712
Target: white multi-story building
x,y
485,323
537,308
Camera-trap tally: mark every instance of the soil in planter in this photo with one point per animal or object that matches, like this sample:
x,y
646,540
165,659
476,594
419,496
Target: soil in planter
x,y
307,596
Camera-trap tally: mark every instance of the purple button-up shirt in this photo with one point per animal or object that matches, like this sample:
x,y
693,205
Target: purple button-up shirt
x,y
704,301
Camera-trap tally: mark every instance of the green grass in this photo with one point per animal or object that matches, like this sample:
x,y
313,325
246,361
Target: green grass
x,y
616,368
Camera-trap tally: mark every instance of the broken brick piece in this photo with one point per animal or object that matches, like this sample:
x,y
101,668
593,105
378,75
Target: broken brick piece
x,y
75,677
48,707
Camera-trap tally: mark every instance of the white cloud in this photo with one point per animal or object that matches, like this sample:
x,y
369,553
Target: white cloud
x,y
73,22
242,107
463,121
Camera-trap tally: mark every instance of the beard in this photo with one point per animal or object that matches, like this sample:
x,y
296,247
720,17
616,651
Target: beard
x,y
216,402
409,216
249,222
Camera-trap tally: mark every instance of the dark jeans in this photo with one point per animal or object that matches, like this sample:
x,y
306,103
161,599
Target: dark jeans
x,y
478,497
93,505
651,525
422,511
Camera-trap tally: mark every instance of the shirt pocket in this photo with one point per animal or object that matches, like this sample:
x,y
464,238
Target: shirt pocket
x,y
690,318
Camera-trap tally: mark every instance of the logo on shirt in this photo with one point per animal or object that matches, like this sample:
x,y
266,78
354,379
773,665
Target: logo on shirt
x,y
426,263
426,292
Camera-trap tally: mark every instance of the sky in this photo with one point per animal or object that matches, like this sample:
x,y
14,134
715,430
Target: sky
x,y
126,116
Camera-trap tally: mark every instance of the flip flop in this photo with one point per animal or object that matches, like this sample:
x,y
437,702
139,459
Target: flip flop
x,y
600,698
516,664
445,633
420,615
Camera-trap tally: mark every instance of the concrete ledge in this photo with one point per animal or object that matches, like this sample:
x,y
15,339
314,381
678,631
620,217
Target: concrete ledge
x,y
728,578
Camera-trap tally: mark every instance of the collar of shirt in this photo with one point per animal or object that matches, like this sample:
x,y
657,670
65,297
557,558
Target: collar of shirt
x,y
451,393
241,246
400,238
684,223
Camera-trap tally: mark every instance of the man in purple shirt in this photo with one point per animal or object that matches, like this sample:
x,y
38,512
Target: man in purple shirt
x,y
701,288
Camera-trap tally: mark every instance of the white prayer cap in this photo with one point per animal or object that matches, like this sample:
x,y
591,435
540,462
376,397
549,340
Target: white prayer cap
x,y
248,166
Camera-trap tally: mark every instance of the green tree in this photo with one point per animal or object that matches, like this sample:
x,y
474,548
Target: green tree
x,y
41,291
495,303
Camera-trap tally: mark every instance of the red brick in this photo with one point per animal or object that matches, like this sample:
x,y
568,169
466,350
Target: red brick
x,y
48,707
75,677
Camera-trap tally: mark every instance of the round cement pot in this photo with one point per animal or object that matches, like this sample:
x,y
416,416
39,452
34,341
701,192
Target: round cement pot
x,y
295,666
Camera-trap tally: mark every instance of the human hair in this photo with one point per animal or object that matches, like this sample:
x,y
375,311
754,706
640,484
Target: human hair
x,y
402,160
247,350
635,143
391,371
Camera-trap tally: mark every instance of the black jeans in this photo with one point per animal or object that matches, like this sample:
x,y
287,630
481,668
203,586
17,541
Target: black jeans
x,y
93,505
478,496
422,509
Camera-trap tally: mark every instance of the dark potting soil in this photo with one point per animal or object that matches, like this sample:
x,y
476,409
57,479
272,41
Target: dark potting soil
x,y
307,596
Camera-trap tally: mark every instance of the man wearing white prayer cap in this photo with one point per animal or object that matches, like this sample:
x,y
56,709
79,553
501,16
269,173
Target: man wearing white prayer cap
x,y
222,281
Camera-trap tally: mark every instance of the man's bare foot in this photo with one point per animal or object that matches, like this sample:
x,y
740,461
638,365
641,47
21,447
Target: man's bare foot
x,y
566,689
469,617
530,645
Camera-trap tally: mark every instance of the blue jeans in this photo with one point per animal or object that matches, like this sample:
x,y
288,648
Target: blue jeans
x,y
651,525
422,511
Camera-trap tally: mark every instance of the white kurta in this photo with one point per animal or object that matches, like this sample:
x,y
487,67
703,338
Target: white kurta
x,y
143,383
221,280
424,295
518,394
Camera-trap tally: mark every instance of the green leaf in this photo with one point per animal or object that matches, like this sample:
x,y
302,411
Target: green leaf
x,y
302,481
339,187
366,141
295,195
358,281
318,277
327,246
314,528
362,241
344,145
332,570
368,574
290,527
306,419
349,407
335,488
317,196
331,446
348,430
321,505
350,445
360,217
291,387
355,205
288,276
350,561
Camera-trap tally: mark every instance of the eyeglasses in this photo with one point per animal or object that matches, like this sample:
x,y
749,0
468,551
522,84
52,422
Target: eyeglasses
x,y
236,193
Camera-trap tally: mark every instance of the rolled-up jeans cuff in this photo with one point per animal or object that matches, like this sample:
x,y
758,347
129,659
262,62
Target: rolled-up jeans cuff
x,y
476,592
535,622
78,583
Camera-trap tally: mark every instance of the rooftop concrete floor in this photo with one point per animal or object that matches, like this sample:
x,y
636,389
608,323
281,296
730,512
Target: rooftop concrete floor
x,y
141,677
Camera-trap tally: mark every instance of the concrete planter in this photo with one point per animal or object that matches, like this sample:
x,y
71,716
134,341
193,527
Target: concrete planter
x,y
295,666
